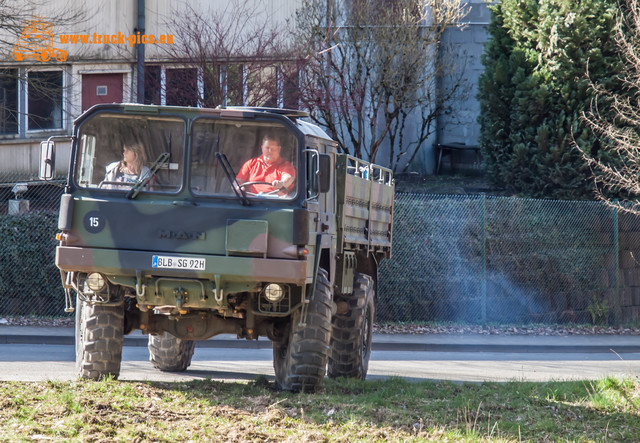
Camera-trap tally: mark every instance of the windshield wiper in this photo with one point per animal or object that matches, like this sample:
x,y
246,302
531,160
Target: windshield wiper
x,y
142,181
231,175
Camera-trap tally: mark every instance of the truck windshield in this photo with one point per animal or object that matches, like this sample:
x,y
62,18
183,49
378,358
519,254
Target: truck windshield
x,y
116,151
263,157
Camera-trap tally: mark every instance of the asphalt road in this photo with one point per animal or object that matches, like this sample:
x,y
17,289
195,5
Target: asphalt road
x,y
37,362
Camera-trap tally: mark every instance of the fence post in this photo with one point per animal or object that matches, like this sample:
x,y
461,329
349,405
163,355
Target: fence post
x,y
483,283
616,270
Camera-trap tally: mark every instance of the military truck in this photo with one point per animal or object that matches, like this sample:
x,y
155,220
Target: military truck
x,y
188,251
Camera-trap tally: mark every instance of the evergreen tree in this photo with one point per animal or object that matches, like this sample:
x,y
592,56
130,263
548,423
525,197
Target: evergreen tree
x,y
535,90
614,117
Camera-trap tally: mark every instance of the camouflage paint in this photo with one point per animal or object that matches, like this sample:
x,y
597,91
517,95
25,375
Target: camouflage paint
x,y
243,247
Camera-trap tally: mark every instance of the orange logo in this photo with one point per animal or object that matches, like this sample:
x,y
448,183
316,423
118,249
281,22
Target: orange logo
x,y
36,42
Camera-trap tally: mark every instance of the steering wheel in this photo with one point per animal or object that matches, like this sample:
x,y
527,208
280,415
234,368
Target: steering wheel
x,y
115,183
275,191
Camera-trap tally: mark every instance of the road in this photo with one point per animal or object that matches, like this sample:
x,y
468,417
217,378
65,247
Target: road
x,y
37,362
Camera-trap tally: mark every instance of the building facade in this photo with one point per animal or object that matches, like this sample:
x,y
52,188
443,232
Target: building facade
x,y
65,56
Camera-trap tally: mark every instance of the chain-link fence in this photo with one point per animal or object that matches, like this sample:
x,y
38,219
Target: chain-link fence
x,y
29,280
24,192
510,260
455,258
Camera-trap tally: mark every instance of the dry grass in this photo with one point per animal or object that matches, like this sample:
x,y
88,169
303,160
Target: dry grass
x,y
391,410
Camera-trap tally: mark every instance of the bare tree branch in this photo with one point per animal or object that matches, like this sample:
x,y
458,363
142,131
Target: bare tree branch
x,y
372,65
15,14
614,117
220,41
45,90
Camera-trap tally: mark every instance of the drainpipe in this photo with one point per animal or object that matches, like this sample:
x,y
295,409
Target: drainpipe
x,y
140,53
438,94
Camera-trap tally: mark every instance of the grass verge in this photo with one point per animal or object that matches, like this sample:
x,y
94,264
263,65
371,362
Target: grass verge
x,y
345,410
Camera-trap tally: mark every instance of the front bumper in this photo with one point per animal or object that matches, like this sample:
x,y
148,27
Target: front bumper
x,y
129,263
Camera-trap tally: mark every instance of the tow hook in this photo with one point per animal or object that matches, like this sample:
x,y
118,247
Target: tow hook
x,y
181,295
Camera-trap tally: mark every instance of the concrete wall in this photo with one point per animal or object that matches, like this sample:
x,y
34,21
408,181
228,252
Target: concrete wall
x,y
465,47
625,291
462,50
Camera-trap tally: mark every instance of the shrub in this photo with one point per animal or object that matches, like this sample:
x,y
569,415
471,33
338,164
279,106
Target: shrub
x,y
29,279
535,88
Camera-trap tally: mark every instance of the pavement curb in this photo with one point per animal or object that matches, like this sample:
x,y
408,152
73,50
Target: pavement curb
x,y
506,348
379,344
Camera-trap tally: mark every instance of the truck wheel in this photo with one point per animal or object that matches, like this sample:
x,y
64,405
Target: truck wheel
x,y
352,332
300,363
169,353
99,337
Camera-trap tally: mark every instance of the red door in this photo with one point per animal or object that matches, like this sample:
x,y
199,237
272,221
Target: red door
x,y
101,88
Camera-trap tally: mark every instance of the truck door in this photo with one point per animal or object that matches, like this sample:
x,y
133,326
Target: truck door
x,y
321,205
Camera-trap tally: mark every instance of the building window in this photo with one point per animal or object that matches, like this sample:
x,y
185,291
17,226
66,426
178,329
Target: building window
x,y
44,100
235,81
212,88
8,101
31,101
172,86
262,84
233,84
152,85
182,87
291,89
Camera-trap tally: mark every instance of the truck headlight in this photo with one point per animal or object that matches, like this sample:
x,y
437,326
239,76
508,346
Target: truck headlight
x,y
95,281
274,292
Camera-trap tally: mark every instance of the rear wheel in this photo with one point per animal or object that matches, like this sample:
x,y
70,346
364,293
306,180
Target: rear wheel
x,y
352,332
169,353
300,362
99,338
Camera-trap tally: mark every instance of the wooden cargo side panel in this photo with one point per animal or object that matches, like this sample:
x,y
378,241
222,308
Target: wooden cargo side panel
x,y
381,217
354,211
365,209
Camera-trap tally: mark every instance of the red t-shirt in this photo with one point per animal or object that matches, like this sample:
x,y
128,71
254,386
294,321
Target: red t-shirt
x,y
257,170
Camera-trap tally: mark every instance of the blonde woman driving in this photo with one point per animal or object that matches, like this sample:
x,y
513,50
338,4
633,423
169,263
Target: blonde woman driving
x,y
128,170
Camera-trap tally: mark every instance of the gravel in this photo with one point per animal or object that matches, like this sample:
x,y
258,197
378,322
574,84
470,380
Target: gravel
x,y
48,322
543,330
402,328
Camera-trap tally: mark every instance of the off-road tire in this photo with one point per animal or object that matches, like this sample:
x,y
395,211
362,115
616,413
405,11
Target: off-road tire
x,y
170,354
99,338
300,362
352,331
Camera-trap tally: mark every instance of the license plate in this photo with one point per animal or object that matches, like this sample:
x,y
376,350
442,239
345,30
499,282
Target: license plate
x,y
189,263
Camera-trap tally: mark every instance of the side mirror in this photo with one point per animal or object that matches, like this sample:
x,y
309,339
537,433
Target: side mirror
x,y
47,160
324,173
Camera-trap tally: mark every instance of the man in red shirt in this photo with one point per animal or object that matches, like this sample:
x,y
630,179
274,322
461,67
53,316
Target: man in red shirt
x,y
268,168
